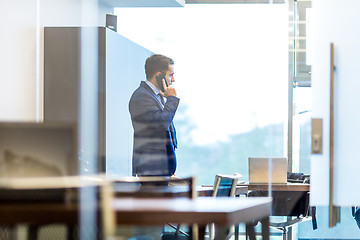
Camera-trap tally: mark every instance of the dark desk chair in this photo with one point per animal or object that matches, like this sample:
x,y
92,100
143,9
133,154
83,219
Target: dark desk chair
x,y
159,187
355,211
293,205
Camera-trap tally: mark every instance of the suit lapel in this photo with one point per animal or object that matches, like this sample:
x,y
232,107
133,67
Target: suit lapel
x,y
172,131
143,84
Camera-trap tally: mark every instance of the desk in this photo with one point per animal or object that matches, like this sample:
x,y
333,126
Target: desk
x,y
202,211
206,191
289,187
38,213
154,192
173,191
291,199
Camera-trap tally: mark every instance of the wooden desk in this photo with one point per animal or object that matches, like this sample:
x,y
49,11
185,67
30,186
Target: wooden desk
x,y
174,191
289,187
289,200
155,192
224,212
206,191
38,213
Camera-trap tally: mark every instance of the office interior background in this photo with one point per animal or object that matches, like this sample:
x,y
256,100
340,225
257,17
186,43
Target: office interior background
x,y
250,76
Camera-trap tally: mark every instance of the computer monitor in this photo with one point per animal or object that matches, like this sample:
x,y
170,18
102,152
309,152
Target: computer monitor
x,y
38,149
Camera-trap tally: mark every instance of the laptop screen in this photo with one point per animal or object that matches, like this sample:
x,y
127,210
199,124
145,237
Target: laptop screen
x,y
259,170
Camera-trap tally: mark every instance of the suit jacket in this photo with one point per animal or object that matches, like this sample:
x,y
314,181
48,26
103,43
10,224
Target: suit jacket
x,y
154,134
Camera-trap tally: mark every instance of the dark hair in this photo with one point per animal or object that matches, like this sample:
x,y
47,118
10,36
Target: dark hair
x,y
157,63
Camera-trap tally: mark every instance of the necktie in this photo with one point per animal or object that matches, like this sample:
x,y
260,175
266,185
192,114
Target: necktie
x,y
173,134
161,99
171,127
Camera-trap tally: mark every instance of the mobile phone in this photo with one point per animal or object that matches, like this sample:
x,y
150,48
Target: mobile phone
x,y
159,79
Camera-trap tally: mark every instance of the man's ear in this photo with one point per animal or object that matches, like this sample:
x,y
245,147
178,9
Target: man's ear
x,y
157,74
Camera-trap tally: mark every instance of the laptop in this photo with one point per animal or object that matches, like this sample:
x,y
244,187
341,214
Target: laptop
x,y
259,170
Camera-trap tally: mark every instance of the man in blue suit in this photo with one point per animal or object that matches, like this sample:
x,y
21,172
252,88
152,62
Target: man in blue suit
x,y
152,108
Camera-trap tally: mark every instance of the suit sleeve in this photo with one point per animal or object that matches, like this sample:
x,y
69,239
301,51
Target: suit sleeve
x,y
145,110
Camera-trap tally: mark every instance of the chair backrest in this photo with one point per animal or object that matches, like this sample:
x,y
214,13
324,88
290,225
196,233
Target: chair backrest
x,y
148,187
157,187
184,184
225,185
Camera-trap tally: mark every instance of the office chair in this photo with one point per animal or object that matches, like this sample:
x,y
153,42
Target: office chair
x,y
180,234
224,186
355,211
295,207
158,187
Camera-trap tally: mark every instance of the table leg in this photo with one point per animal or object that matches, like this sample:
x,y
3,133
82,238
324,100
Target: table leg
x,y
8,232
250,231
236,232
265,228
33,232
72,232
221,232
201,232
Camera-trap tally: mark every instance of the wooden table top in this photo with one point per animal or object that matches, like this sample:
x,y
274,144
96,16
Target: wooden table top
x,y
39,213
202,210
206,191
155,191
143,211
165,192
303,187
173,191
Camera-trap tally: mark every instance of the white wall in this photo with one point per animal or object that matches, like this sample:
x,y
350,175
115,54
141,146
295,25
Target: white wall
x,y
21,90
17,60
337,22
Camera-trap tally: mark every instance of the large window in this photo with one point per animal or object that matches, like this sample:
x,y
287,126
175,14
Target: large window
x,y
231,76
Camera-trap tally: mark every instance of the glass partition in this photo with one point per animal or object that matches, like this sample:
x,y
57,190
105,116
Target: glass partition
x,y
231,75
232,68
231,78
36,70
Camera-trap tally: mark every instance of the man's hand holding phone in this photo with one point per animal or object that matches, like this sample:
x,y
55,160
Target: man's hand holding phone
x,y
168,90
